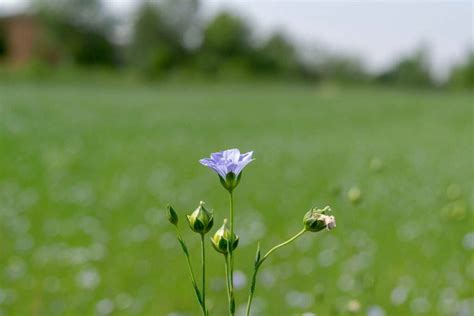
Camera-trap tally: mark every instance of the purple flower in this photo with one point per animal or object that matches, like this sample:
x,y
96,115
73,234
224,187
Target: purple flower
x,y
227,162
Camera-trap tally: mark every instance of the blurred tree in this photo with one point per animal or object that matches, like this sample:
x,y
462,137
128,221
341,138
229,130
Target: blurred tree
x,y
462,75
341,69
168,36
159,35
152,44
226,45
78,30
227,35
277,55
180,17
320,64
412,70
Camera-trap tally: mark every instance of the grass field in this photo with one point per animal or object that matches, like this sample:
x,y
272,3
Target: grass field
x,y
87,169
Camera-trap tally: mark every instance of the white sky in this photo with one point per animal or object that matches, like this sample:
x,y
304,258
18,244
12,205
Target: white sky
x,y
378,31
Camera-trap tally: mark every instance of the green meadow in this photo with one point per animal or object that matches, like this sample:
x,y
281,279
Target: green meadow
x,y
87,169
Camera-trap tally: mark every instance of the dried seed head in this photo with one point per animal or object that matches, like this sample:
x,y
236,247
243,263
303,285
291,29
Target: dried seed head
x,y
316,220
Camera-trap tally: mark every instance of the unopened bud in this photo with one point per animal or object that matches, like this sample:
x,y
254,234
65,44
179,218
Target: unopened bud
x,y
201,220
222,239
316,220
172,216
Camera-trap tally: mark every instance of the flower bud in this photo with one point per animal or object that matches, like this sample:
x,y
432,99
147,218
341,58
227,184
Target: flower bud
x,y
172,216
201,220
316,220
222,237
231,181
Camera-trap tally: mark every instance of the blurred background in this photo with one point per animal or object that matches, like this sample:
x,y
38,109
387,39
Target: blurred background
x,y
106,106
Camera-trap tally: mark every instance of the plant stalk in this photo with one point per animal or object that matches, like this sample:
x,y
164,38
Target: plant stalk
x,y
203,255
231,255
260,262
227,282
191,273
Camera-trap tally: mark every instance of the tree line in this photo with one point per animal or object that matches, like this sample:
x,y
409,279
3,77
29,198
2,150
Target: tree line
x,y
169,37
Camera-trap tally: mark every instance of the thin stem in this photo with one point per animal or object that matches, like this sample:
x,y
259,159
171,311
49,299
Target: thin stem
x,y
227,282
259,263
231,255
252,289
203,258
191,273
283,244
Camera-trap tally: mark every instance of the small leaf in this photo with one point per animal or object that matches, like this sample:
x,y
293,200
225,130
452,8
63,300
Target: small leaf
x,y
232,306
257,255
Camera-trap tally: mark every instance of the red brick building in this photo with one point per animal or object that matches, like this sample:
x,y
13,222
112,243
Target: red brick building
x,y
18,36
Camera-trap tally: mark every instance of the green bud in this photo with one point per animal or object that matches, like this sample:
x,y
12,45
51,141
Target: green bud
x,y
172,216
231,181
316,220
222,237
201,220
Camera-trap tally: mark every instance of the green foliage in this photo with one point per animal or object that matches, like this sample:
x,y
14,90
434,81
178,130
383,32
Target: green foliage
x,y
225,44
149,50
169,39
158,43
226,35
277,56
78,30
342,69
179,16
462,75
226,48
412,70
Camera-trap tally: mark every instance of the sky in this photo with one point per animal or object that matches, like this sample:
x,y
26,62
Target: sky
x,y
377,31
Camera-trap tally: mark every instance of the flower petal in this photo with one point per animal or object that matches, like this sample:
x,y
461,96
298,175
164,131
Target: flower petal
x,y
212,165
231,155
227,161
242,164
246,156
217,156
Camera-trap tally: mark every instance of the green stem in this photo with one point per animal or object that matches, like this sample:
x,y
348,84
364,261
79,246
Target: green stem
x,y
283,244
203,255
259,263
252,289
227,282
231,255
191,273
